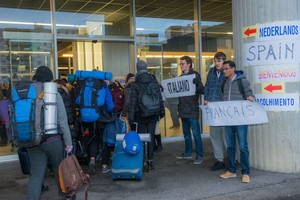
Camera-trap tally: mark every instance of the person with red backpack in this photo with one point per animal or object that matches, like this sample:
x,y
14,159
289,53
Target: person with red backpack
x,y
118,97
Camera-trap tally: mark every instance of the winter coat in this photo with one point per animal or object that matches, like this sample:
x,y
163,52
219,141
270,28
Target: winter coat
x,y
188,106
231,90
212,89
142,79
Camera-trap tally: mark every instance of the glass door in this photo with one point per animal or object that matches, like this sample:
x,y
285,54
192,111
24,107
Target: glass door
x,y
163,66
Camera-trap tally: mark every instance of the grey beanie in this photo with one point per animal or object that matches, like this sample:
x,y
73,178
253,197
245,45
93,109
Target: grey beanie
x,y
141,65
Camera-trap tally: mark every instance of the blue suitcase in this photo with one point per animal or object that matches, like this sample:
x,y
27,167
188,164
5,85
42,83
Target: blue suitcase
x,y
125,166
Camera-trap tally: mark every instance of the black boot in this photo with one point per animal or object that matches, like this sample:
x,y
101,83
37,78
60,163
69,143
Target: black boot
x,y
158,147
150,165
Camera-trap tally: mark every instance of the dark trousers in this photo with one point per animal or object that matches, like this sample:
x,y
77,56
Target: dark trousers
x,y
148,127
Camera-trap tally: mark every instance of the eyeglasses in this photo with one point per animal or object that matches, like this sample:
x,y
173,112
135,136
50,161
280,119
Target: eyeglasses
x,y
225,69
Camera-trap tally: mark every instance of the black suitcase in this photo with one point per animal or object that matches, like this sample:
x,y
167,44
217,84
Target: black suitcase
x,y
24,160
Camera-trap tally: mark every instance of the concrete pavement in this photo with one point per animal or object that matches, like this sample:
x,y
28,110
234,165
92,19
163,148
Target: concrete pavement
x,y
173,179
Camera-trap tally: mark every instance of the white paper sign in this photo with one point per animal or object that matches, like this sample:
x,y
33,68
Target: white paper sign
x,y
277,73
279,102
272,52
179,86
231,113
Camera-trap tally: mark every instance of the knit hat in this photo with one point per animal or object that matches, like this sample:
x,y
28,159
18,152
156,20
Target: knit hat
x,y
43,74
141,65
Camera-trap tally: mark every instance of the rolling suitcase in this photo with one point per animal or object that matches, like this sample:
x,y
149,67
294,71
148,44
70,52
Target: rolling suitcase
x,y
125,166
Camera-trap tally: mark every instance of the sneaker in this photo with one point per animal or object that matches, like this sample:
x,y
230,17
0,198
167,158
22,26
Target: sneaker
x,y
228,175
92,165
183,156
44,189
198,161
105,169
150,166
245,178
217,166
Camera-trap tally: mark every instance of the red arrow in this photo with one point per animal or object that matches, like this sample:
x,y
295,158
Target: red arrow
x,y
250,31
270,87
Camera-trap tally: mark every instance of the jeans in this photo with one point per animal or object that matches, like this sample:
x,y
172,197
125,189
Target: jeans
x,y
241,133
187,125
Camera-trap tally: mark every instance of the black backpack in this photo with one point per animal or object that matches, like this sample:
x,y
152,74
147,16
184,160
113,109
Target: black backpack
x,y
150,100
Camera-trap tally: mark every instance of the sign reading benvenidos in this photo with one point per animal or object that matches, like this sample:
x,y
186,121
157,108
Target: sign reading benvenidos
x,y
274,55
179,86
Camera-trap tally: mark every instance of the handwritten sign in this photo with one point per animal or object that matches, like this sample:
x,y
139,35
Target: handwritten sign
x,y
179,86
272,52
231,113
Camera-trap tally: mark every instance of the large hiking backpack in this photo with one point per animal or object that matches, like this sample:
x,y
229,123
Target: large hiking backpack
x,y
26,113
91,99
149,100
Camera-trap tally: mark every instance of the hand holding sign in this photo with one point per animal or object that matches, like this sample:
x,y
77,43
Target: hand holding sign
x,y
179,86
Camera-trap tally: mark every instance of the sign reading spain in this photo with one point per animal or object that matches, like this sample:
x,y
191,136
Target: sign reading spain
x,y
179,86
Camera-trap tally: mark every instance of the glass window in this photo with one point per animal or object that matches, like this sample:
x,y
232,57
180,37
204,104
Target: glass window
x,y
93,18
26,40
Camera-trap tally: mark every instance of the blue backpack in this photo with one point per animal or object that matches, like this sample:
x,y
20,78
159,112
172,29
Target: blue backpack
x,y
91,99
26,113
111,130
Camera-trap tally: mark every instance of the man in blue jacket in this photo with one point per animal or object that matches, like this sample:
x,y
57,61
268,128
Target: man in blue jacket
x,y
188,111
231,92
212,93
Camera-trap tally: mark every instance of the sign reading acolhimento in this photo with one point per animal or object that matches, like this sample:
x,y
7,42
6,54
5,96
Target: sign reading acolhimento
x,y
179,86
231,113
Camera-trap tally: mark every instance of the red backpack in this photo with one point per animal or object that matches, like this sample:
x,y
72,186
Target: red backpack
x,y
118,99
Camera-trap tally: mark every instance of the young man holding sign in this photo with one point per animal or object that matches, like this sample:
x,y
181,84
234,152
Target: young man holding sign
x,y
212,93
231,92
188,111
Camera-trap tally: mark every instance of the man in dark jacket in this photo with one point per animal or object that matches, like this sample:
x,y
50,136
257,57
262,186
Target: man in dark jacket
x,y
188,109
145,124
233,93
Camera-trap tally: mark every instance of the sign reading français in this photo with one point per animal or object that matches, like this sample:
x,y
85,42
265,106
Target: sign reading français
x,y
179,86
231,113
279,102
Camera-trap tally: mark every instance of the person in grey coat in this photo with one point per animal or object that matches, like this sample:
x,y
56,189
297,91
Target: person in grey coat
x,y
231,92
51,148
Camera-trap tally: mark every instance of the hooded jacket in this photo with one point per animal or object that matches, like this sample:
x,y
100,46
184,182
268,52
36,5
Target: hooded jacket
x,y
142,79
188,106
231,88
